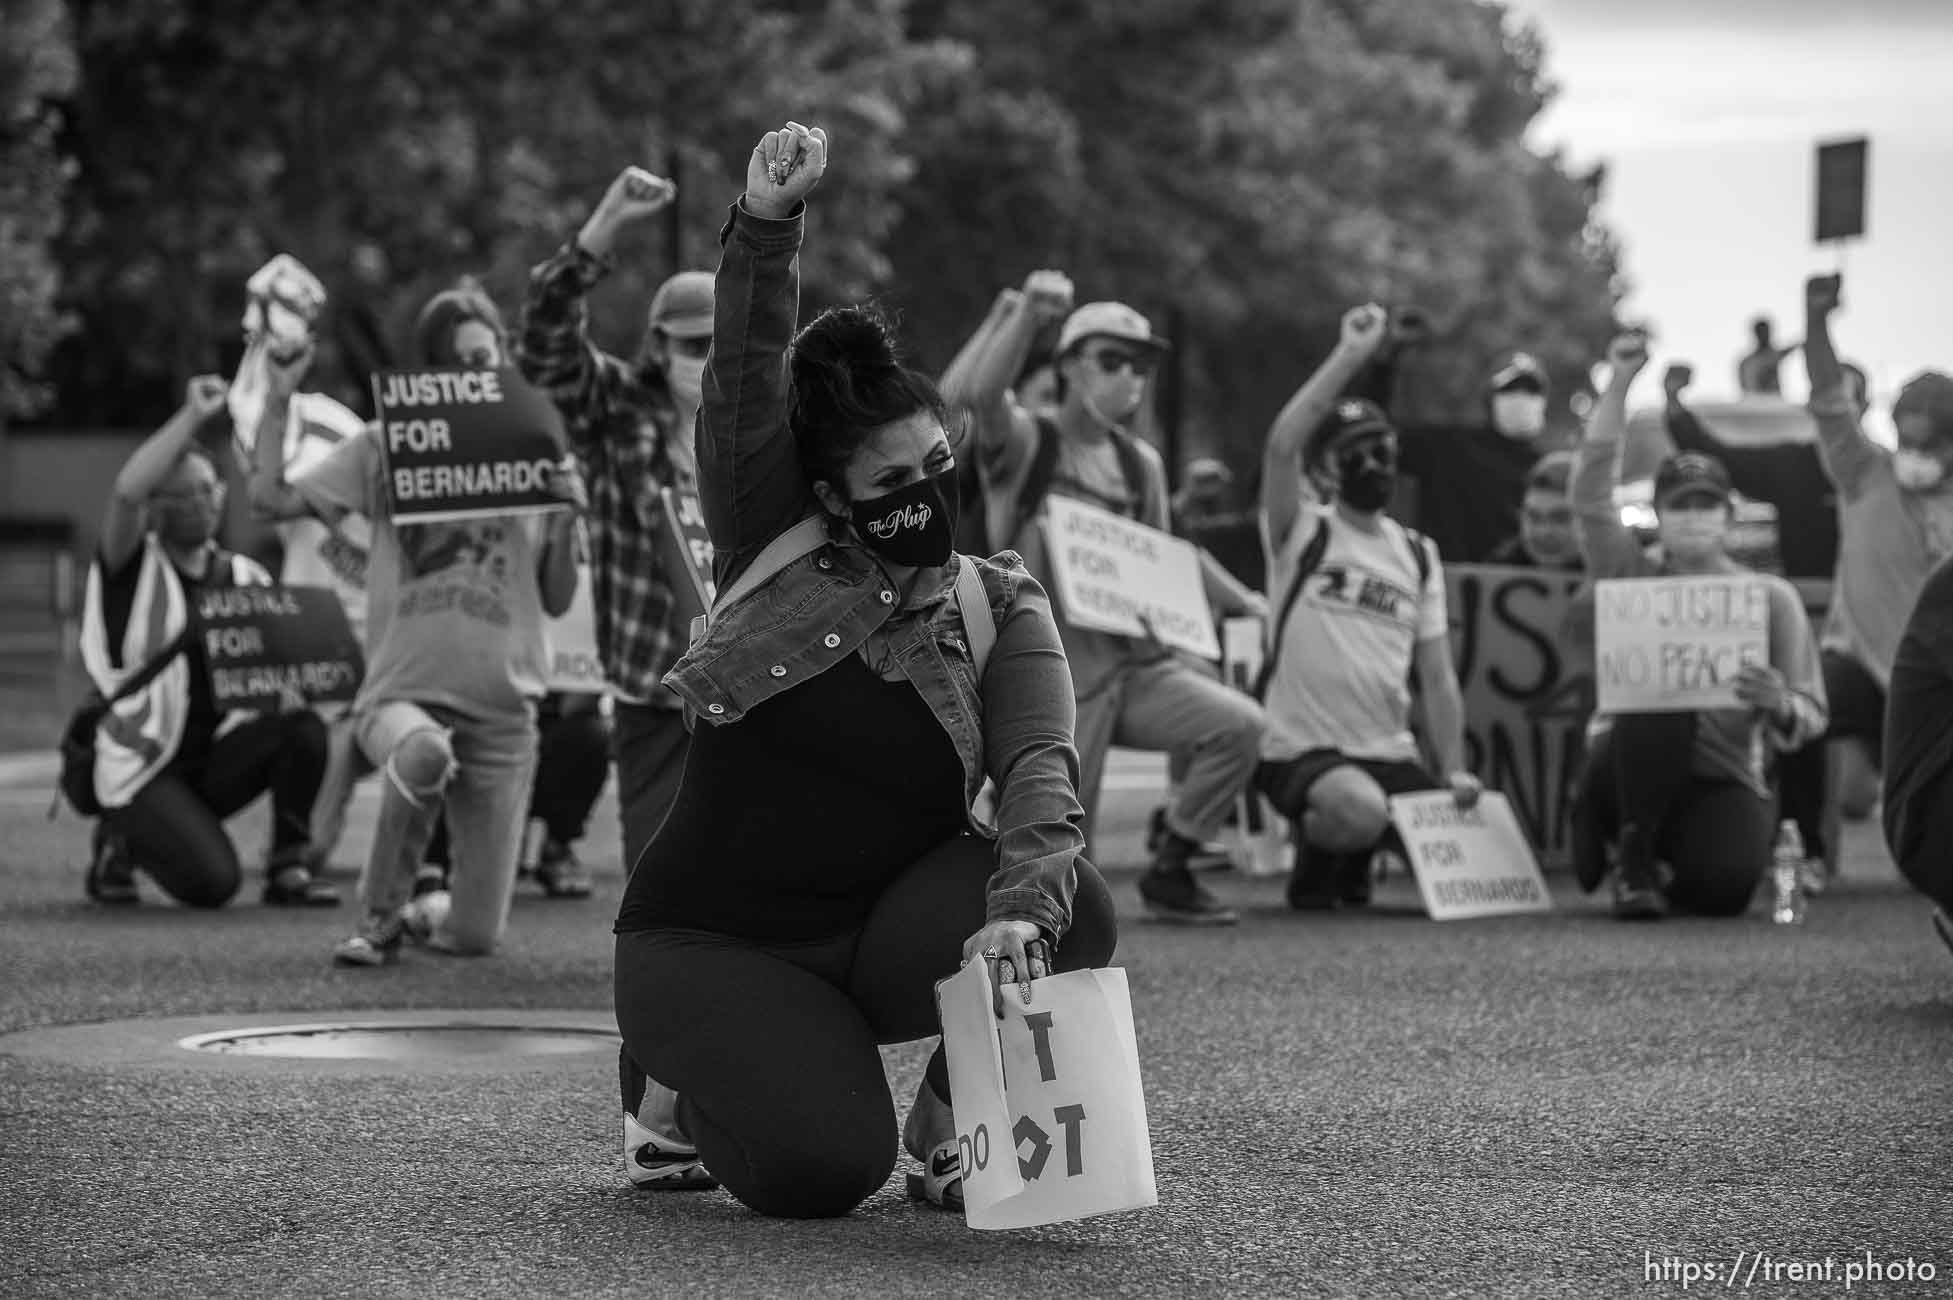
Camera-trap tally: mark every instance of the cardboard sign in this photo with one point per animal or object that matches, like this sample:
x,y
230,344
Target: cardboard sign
x,y
1469,861
574,664
1524,659
1842,167
1672,645
1050,1115
1118,576
262,644
685,553
460,443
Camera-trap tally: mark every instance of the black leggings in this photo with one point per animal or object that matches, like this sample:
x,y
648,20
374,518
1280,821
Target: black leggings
x,y
772,1047
1715,835
174,827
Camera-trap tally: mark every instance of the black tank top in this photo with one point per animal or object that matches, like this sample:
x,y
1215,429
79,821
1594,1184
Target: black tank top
x,y
789,823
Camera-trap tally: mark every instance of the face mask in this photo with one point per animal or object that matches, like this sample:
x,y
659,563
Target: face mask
x,y
1692,532
1519,415
1113,398
1362,483
686,375
1916,471
913,525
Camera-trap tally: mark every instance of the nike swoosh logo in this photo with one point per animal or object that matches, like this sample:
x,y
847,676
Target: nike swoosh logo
x,y
648,1157
942,1166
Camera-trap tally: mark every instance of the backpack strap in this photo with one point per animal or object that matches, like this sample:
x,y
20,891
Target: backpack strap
x,y
1305,564
803,538
979,622
1044,469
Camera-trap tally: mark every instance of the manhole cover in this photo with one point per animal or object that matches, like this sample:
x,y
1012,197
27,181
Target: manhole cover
x,y
403,1042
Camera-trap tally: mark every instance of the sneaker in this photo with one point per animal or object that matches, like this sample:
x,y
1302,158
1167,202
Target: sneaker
x,y
656,1163
941,1181
423,914
1353,880
294,886
1312,882
1172,894
111,879
375,943
1638,902
1639,893
1211,856
560,874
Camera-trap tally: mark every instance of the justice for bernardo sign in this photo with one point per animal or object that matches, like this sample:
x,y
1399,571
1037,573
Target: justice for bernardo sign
x,y
1121,577
1673,645
1050,1115
685,550
1469,861
461,444
261,645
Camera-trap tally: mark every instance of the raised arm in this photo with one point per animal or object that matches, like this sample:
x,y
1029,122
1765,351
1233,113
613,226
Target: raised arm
x,y
979,380
149,465
750,482
1282,489
1610,548
1849,456
553,348
272,497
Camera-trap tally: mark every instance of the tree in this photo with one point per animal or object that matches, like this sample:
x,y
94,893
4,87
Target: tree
x,y
37,71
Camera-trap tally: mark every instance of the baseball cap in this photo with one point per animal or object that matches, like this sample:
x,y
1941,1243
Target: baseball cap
x,y
1553,472
1690,473
1522,370
1113,320
1206,469
1346,419
1929,393
682,307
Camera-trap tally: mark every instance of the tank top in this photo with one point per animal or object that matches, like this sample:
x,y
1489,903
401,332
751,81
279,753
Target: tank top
x,y
789,823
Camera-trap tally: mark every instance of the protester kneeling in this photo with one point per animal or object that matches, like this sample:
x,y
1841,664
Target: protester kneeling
x,y
1918,782
455,660
821,867
1682,799
169,767
1362,610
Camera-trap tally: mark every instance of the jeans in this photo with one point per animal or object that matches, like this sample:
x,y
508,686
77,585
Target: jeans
x,y
1212,733
479,769
572,764
174,829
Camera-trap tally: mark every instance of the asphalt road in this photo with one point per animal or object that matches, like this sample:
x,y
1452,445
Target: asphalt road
x,y
1371,1105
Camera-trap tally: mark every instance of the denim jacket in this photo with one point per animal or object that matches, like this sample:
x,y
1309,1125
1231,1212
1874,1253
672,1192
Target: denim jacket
x,y
840,600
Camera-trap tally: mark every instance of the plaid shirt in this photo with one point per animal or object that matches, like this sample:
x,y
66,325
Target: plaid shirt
x,y
619,420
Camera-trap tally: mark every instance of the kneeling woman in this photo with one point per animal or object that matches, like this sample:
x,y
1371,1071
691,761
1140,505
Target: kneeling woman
x,y
1685,798
821,867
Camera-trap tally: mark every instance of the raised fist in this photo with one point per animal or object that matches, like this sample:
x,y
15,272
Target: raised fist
x,y
1822,294
283,374
1049,294
204,396
785,166
1627,354
1364,328
633,196
1676,379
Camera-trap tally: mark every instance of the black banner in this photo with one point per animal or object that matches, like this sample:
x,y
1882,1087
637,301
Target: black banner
x,y
461,444
264,646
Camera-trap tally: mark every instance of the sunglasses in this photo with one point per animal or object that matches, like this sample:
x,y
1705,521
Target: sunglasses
x,y
1111,361
690,347
1376,449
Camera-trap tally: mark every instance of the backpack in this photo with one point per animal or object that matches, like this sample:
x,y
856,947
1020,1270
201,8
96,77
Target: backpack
x,y
1307,563
808,536
1044,469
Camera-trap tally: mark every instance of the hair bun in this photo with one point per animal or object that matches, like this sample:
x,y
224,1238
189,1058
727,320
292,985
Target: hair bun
x,y
855,338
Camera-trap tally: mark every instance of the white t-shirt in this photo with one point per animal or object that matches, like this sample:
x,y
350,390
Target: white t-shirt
x,y
1343,679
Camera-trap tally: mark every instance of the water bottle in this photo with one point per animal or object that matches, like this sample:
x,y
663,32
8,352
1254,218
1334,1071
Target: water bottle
x,y
1786,875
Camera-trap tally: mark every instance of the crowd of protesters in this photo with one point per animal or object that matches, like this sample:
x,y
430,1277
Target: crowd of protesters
x,y
842,683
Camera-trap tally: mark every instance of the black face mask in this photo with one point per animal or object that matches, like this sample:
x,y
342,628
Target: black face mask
x,y
913,525
1364,481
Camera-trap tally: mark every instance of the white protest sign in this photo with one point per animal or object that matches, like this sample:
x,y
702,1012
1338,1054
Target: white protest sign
x,y
1469,861
1050,1115
1674,645
1112,573
574,664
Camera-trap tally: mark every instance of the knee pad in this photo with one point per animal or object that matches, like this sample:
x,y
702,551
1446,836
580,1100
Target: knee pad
x,y
422,764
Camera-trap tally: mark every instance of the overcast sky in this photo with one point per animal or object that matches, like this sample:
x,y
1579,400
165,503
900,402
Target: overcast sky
x,y
1707,113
